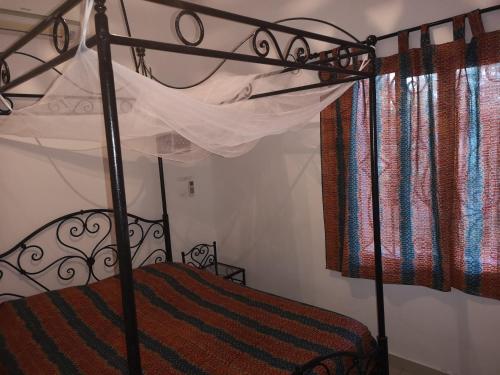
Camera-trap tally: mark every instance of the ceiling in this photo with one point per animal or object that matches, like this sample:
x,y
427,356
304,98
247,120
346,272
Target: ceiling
x,y
43,7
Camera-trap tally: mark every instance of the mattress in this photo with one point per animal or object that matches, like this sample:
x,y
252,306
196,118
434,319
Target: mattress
x,y
190,322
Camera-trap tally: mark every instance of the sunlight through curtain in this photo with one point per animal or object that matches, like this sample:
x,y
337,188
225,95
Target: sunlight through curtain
x,y
438,120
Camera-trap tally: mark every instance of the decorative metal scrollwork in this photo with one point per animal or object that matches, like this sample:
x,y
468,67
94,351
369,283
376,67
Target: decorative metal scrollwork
x,y
262,47
4,79
82,105
243,94
199,23
4,72
58,23
200,256
302,54
346,363
343,58
84,250
263,44
7,111
141,64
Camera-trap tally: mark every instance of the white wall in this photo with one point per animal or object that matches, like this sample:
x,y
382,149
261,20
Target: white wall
x,y
268,212
264,208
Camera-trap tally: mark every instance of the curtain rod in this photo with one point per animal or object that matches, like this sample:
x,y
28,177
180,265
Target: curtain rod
x,y
435,23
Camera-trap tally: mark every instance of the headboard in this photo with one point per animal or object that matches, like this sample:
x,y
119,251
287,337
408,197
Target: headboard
x,y
76,249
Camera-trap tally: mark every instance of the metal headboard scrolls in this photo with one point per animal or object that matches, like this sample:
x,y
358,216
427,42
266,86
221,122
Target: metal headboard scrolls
x,y
75,249
201,255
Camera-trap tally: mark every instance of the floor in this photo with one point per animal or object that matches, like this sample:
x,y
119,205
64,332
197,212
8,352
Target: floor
x,y
399,366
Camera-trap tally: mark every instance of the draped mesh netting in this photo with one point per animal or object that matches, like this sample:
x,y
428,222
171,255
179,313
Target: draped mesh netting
x,y
185,126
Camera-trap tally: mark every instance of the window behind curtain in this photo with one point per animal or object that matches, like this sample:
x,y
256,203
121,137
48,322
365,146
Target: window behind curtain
x,y
438,124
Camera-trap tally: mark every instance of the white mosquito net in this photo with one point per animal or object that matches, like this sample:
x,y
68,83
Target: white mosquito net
x,y
181,125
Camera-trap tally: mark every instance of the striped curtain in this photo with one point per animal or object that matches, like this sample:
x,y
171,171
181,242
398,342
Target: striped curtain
x,y
438,125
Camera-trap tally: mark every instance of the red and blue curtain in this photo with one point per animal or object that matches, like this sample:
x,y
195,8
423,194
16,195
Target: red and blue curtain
x,y
438,126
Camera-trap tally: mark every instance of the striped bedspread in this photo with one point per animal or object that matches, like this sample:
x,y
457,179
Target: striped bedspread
x,y
191,322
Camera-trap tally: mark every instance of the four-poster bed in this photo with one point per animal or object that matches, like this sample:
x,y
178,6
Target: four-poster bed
x,y
303,59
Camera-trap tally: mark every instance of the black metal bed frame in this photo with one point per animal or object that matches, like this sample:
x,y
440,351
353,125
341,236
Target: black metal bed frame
x,y
297,55
201,255
204,256
27,257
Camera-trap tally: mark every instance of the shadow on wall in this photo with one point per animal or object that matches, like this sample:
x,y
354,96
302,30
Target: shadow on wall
x,y
466,325
256,211
40,183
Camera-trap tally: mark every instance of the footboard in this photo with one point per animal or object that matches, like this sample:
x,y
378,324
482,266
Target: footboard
x,y
75,249
340,363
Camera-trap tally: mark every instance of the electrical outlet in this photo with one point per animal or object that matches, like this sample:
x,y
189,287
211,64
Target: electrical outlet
x,y
191,188
186,187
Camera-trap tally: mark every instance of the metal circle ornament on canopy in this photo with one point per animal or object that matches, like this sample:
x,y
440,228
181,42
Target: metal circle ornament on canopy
x,y
199,23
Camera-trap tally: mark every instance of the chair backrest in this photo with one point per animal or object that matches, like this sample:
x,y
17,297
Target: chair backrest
x,y
201,255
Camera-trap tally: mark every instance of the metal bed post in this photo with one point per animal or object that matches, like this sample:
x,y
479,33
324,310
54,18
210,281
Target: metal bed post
x,y
166,222
303,60
117,186
379,283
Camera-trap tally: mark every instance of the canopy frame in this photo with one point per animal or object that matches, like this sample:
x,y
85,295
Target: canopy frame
x,y
303,59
